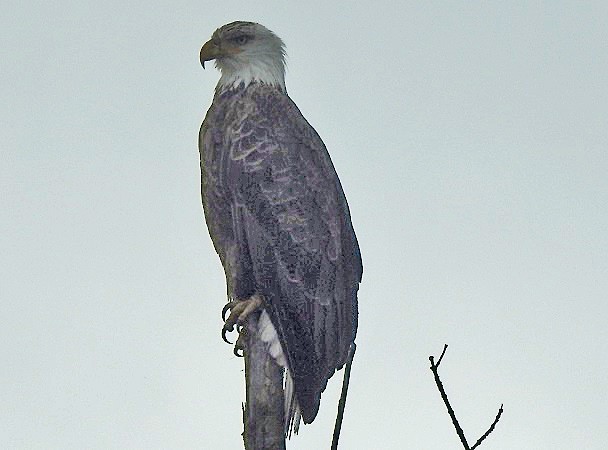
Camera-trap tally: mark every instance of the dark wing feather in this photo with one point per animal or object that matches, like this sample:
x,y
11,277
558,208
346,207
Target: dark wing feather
x,y
290,230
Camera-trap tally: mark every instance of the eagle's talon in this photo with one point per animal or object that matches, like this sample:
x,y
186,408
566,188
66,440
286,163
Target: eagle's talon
x,y
240,343
224,330
239,312
227,307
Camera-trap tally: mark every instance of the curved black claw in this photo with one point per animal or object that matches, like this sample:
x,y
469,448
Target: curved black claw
x,y
225,309
240,342
224,330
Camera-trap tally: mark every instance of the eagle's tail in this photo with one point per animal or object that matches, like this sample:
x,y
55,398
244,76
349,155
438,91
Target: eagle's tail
x,y
292,409
269,335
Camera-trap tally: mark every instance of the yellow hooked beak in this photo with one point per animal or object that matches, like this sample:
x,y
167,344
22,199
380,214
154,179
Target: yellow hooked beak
x,y
209,51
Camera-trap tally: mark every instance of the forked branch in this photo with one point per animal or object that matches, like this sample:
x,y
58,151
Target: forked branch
x,y
444,396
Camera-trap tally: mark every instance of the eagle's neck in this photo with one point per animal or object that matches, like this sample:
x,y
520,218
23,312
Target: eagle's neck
x,y
269,71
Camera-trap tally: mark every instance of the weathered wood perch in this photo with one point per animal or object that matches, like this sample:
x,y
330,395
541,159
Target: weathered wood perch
x,y
263,416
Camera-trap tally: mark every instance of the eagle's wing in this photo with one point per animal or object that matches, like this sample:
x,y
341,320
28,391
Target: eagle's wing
x,y
293,241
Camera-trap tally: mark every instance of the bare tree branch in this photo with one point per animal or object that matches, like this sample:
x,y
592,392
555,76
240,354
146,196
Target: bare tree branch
x,y
342,402
444,396
487,433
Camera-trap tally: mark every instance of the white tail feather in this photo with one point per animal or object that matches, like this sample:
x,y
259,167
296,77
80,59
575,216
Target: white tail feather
x,y
269,335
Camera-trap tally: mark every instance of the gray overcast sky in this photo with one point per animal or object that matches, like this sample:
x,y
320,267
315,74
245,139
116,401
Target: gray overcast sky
x,y
471,139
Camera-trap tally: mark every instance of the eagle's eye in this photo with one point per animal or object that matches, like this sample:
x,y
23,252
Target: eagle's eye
x,y
242,39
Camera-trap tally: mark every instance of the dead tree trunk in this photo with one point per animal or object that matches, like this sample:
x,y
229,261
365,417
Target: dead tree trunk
x,y
263,417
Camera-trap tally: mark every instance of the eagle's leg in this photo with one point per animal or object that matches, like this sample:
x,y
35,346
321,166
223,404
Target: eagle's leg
x,y
239,311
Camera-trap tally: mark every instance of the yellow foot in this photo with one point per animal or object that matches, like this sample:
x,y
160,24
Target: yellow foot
x,y
239,311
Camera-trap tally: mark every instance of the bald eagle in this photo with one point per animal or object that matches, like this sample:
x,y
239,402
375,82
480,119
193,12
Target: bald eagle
x,y
277,216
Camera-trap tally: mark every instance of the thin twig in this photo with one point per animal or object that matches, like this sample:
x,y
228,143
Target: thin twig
x,y
487,433
445,347
444,396
342,402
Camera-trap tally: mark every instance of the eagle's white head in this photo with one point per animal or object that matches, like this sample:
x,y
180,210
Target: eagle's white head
x,y
245,52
